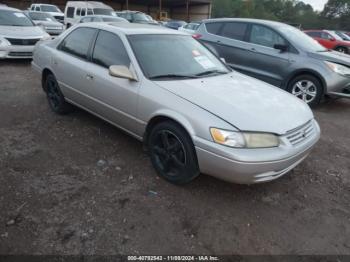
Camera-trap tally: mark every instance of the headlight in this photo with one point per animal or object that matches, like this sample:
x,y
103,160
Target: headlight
x,y
244,139
46,37
4,42
339,69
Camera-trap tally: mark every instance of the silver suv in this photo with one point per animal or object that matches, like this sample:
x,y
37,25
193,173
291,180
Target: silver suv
x,y
278,54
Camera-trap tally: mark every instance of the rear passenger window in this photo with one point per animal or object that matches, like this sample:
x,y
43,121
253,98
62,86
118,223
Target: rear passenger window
x,y
83,11
78,11
37,8
109,50
213,28
70,12
235,31
261,35
78,42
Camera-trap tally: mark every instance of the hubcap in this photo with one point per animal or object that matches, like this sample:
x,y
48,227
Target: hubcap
x,y
53,93
305,90
169,152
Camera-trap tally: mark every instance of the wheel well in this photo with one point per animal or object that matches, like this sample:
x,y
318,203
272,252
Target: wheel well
x,y
45,73
299,73
153,122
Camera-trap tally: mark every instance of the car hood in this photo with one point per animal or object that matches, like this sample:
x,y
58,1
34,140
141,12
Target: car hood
x,y
332,56
21,31
246,103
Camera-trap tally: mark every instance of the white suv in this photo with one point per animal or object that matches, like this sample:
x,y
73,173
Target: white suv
x,y
51,9
75,10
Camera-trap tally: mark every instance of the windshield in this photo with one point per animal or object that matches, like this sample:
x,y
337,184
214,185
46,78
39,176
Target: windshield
x,y
174,55
41,17
141,17
101,11
301,39
49,8
13,18
342,36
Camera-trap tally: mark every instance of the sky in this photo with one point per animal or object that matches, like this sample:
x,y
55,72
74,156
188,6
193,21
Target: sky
x,y
316,4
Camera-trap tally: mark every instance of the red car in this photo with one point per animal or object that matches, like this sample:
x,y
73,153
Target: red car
x,y
330,40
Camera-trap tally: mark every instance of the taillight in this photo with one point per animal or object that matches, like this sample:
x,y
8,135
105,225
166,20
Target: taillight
x,y
197,36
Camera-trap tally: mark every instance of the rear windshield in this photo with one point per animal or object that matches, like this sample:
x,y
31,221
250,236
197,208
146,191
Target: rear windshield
x,y
14,18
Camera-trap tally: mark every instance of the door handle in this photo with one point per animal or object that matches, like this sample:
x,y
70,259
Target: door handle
x,y
89,77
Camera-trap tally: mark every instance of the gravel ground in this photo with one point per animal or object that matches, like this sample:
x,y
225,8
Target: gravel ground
x,y
76,185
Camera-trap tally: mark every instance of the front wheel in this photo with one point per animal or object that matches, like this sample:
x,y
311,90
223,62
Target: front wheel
x,y
306,87
172,153
342,49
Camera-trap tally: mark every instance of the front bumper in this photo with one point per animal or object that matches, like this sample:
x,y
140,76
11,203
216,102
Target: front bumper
x,y
16,52
337,84
250,166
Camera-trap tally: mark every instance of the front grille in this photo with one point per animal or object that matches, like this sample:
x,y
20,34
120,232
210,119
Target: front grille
x,y
301,133
20,54
16,41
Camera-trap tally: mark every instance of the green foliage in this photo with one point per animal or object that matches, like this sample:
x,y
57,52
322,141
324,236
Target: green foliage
x,y
336,14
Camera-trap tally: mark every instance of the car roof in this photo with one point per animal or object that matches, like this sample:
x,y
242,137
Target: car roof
x,y
133,29
247,20
88,4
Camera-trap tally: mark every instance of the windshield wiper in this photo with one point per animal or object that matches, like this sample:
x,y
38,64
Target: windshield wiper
x,y
210,72
172,76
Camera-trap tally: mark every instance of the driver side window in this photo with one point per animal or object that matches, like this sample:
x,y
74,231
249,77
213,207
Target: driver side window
x,y
261,35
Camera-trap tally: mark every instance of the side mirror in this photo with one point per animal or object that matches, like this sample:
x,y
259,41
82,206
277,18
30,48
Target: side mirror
x,y
282,48
121,72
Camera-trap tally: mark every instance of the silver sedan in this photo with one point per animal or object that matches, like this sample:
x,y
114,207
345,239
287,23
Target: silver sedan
x,y
193,113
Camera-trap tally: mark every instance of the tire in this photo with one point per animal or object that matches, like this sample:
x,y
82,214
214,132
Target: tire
x,y
172,153
342,49
55,97
308,88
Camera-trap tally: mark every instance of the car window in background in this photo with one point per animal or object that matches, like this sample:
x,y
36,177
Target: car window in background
x,y
301,39
213,28
160,55
70,12
101,11
109,50
326,36
314,34
13,18
37,8
49,8
83,12
261,35
332,34
89,12
234,30
141,17
77,42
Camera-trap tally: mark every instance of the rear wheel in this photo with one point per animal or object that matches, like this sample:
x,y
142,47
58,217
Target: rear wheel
x,y
306,87
172,153
55,97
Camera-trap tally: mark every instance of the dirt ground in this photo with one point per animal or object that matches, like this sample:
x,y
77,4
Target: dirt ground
x,y
77,185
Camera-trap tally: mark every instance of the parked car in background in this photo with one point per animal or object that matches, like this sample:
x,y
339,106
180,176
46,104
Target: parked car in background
x,y
102,18
175,24
190,27
75,10
342,35
18,34
47,22
279,54
50,9
330,40
191,111
136,17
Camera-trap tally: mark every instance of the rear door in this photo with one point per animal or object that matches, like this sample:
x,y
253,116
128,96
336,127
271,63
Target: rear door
x,y
71,65
265,61
229,41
